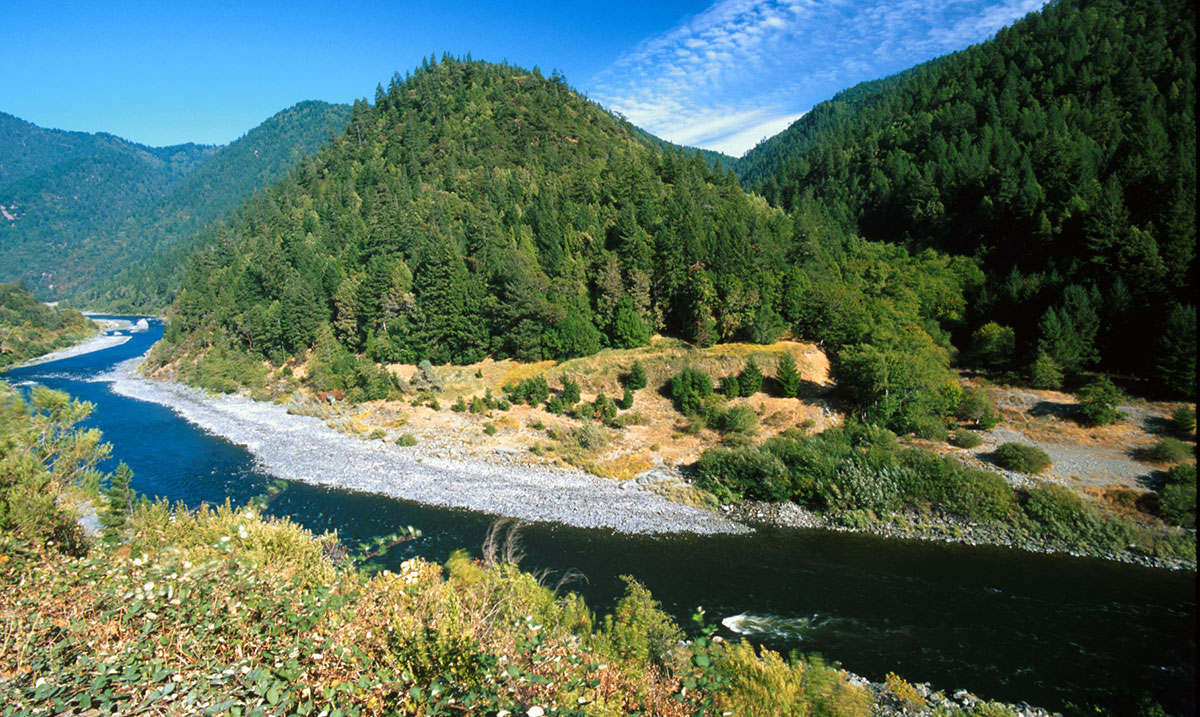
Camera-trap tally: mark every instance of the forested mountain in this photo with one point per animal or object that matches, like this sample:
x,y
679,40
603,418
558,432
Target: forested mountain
x,y
156,242
60,189
480,209
83,206
1061,154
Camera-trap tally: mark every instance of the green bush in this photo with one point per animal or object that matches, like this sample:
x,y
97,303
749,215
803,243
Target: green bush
x,y
1169,450
638,631
407,440
739,420
1098,403
1021,458
570,391
963,438
749,473
1046,373
489,428
689,388
730,388
627,399
975,407
1177,497
1062,514
1183,421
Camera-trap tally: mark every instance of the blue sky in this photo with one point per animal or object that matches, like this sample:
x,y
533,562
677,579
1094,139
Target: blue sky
x,y
721,75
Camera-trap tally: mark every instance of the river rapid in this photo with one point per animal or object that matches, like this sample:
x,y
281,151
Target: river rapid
x,y
1053,631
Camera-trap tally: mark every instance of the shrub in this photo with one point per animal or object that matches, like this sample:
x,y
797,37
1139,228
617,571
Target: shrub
x,y
766,684
689,388
1169,450
589,435
992,345
750,379
750,473
604,409
489,428
407,440
976,407
638,631
965,439
627,399
532,391
459,406
1177,498
1061,513
730,388
1021,458
636,379
555,406
1183,421
1045,373
570,391
377,434
1098,403
740,420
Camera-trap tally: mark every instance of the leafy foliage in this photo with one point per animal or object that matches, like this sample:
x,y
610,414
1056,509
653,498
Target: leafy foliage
x,y
1098,402
1021,458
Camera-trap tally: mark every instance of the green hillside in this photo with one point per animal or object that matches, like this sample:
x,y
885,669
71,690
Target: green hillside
x,y
481,209
144,258
65,190
1061,154
29,328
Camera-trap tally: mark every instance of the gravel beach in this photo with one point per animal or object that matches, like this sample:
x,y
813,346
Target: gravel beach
x,y
302,448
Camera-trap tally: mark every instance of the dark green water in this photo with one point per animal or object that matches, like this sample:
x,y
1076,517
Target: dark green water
x,y
1004,624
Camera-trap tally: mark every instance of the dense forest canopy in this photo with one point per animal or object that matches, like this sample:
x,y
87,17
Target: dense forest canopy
x,y
1061,155
478,209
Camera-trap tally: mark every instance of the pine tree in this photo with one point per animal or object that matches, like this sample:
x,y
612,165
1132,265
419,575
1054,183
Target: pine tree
x,y
637,377
120,496
750,379
788,377
570,391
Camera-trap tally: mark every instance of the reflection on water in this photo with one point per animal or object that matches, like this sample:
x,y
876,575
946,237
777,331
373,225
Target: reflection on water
x,y
1007,625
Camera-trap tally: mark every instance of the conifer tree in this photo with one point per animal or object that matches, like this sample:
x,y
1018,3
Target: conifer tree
x,y
787,376
750,379
637,377
119,498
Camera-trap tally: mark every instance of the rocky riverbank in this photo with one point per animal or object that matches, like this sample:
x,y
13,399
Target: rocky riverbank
x,y
933,528
306,449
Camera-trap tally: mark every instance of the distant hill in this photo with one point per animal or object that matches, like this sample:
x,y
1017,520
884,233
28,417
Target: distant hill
x,y
78,207
1061,154
144,258
60,190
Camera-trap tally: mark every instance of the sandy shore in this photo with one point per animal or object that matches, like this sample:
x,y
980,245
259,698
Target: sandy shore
x,y
304,449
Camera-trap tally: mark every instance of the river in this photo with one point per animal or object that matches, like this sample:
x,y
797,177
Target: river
x,y
1009,625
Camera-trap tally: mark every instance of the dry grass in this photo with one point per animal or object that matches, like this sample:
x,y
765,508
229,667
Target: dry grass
x,y
631,450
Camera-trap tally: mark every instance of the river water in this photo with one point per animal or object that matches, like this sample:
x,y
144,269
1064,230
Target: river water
x,y
1050,630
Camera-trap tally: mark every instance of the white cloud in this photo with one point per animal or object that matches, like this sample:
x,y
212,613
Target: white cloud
x,y
744,69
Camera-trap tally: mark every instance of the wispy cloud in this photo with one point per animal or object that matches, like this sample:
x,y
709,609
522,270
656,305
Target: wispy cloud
x,y
745,69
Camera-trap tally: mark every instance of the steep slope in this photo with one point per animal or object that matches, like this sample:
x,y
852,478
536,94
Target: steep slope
x,y
481,209
1061,154
155,243
67,189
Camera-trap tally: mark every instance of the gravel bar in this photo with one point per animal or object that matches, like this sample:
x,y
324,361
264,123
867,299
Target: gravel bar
x,y
302,448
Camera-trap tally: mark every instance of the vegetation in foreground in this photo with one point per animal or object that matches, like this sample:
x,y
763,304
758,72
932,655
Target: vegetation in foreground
x,y
225,611
29,328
